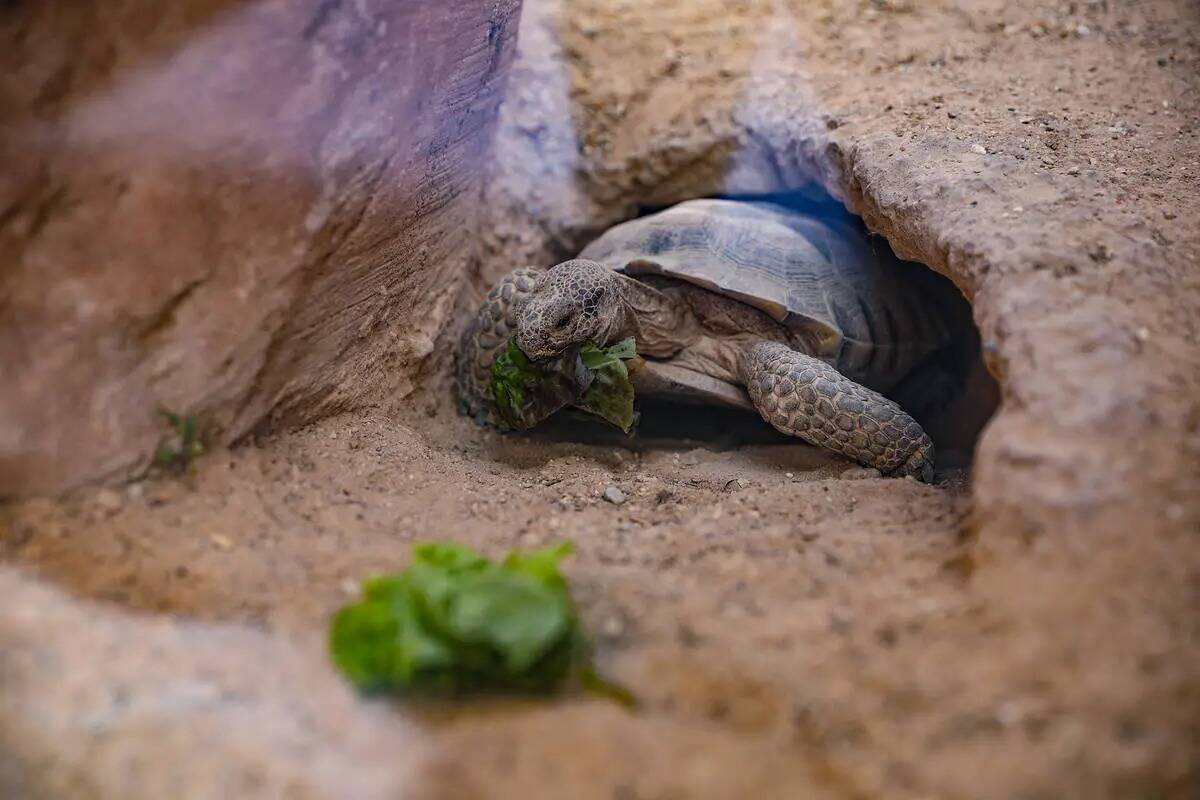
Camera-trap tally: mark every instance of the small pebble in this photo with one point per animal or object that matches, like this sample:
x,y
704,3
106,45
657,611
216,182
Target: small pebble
x,y
108,501
980,149
614,495
861,473
788,475
1009,713
221,542
841,618
613,627
349,587
928,605
687,636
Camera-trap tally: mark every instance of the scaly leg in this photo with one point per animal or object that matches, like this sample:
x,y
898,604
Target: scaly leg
x,y
805,397
483,339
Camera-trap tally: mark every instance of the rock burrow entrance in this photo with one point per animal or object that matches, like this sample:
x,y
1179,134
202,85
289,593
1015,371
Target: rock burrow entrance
x,y
954,424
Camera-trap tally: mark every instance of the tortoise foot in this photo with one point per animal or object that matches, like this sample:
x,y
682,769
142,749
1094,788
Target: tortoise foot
x,y
805,397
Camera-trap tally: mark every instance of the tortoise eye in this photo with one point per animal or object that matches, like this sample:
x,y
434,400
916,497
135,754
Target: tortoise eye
x,y
562,321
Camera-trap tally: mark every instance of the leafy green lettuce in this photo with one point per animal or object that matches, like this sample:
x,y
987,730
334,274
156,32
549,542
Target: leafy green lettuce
x,y
610,396
455,622
526,392
590,378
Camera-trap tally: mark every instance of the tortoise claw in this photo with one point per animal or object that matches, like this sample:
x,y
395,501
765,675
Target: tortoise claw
x,y
920,464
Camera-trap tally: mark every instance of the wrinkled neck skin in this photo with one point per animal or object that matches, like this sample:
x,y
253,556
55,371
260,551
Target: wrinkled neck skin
x,y
662,324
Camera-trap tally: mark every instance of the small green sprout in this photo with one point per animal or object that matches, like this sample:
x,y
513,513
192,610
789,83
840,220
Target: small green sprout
x,y
185,445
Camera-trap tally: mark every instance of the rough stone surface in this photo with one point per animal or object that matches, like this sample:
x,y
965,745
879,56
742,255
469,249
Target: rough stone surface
x,y
1045,158
1075,243
229,209
115,706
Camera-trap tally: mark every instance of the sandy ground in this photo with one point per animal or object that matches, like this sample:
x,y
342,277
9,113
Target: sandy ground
x,y
792,632
684,585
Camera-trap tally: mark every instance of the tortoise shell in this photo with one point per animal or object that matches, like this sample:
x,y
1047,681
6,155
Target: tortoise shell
x,y
870,315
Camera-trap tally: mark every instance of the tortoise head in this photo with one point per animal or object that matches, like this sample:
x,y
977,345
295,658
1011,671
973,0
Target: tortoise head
x,y
573,303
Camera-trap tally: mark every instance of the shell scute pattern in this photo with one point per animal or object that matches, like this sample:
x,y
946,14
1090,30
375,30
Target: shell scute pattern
x,y
820,278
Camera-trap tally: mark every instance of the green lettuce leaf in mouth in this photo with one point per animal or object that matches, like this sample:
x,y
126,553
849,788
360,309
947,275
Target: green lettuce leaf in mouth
x,y
591,378
455,623
610,395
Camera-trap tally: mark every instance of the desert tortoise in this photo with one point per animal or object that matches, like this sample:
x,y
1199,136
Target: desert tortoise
x,y
747,304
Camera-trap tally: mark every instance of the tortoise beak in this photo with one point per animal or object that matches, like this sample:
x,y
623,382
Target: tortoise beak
x,y
538,354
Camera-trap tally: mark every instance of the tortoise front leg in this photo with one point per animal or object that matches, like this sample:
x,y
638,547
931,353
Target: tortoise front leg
x,y
805,397
485,336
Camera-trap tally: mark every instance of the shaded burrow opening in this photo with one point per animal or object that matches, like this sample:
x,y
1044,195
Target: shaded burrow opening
x,y
965,403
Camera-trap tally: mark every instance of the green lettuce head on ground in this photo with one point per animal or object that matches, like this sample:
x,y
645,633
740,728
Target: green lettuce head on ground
x,y
456,623
591,378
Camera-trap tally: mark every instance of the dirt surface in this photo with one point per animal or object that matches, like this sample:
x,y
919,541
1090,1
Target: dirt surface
x,y
682,584
789,630
1026,631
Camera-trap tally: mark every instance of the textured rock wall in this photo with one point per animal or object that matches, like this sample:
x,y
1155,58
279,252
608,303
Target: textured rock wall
x,y
228,209
1045,159
992,150
175,715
